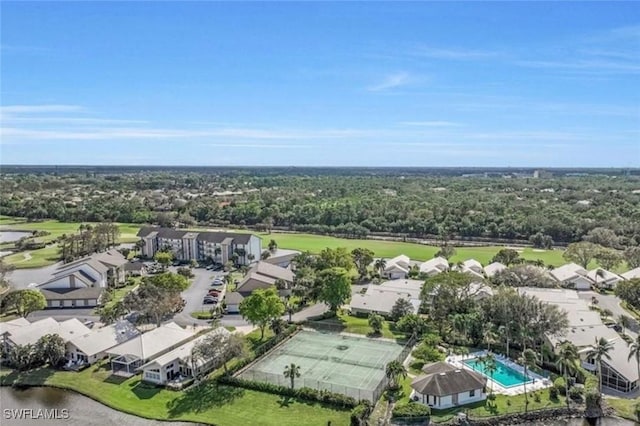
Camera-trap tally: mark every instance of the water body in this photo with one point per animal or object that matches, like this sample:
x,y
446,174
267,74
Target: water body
x,y
10,236
82,411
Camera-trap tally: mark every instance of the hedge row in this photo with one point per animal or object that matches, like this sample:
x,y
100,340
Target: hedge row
x,y
411,409
306,394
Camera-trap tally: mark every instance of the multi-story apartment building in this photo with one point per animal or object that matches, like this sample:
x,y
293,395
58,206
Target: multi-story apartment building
x,y
188,245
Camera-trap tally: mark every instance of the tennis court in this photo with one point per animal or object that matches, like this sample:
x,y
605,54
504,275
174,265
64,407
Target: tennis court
x,y
353,366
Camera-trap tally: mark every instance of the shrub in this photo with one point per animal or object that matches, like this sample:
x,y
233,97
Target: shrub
x,y
360,414
411,409
553,393
560,385
575,393
428,353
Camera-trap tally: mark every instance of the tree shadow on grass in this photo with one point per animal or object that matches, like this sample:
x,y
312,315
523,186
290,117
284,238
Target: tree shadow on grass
x,y
143,390
115,379
202,397
35,377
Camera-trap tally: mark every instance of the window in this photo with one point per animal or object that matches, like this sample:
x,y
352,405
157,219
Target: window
x,y
472,393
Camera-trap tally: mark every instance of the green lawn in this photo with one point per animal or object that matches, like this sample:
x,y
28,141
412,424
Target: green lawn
x,y
48,255
303,242
34,258
357,325
208,403
315,243
119,293
624,407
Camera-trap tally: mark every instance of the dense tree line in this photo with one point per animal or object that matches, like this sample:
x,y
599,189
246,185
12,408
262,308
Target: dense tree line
x,y
562,209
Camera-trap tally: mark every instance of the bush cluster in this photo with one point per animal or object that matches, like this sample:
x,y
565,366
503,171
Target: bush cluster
x,y
306,394
411,409
360,414
560,385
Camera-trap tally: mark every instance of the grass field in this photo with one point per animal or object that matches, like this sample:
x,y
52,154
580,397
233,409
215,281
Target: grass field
x,y
625,407
207,403
48,255
315,243
351,324
302,242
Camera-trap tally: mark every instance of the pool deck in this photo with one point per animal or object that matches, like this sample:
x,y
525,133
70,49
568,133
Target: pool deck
x,y
538,383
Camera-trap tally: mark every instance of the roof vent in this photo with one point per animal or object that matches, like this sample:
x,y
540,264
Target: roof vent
x,y
443,374
457,371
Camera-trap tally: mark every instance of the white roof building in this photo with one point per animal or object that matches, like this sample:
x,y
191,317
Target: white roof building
x,y
434,266
9,326
154,343
30,334
493,268
603,278
572,275
398,267
629,275
381,298
92,346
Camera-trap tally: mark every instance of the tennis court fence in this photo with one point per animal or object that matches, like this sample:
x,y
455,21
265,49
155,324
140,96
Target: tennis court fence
x,y
301,382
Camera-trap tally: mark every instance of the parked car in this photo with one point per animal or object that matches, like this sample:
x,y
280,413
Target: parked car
x,y
208,300
214,292
209,267
217,283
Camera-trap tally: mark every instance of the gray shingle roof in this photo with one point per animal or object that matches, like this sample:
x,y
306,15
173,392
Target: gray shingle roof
x,y
212,237
446,381
72,293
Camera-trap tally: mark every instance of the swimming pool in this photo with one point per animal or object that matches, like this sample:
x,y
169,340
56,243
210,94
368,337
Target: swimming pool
x,y
503,375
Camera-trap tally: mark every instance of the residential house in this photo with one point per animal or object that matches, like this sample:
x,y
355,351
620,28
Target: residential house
x,y
471,267
93,346
444,386
585,327
493,268
603,278
82,282
233,301
629,275
397,268
572,276
126,358
381,298
434,266
7,327
135,269
31,333
178,363
201,246
281,257
264,275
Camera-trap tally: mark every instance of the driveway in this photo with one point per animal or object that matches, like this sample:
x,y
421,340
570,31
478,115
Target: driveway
x,y
612,303
200,285
312,311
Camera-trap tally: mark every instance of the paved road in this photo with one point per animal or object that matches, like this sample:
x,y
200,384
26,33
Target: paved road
x,y
312,311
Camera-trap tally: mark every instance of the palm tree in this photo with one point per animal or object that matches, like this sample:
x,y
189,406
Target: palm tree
x,y
624,322
634,352
490,366
277,326
489,336
600,351
380,264
599,274
394,371
292,371
529,358
567,363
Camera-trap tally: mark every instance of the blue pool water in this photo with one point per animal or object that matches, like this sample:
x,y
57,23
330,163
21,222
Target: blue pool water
x,y
503,375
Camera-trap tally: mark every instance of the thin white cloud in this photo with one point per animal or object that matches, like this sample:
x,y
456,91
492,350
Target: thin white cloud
x,y
38,109
256,145
458,54
391,82
431,123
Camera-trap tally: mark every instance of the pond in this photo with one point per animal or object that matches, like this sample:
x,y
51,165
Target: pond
x,y
80,410
10,236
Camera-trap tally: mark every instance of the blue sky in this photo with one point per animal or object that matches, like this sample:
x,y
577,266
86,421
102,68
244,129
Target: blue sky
x,y
327,84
